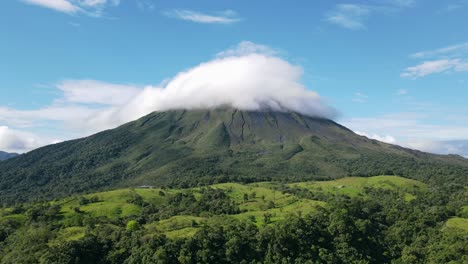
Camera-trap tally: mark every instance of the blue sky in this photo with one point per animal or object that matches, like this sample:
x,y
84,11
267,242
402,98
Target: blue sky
x,y
394,70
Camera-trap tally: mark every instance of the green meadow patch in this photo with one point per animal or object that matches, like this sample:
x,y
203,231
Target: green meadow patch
x,y
70,234
457,224
355,186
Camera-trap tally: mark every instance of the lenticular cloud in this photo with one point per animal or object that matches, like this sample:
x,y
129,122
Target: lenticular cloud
x,y
246,82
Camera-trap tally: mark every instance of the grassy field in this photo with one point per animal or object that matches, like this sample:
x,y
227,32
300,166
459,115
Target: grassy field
x,y
354,186
258,202
115,204
70,234
277,214
458,224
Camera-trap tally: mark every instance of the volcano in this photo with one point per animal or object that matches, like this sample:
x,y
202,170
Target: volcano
x,y
187,148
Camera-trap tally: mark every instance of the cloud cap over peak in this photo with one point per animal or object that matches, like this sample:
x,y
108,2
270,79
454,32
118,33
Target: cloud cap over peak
x,y
247,77
246,82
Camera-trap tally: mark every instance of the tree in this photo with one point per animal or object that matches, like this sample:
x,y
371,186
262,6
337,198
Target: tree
x,y
266,218
133,225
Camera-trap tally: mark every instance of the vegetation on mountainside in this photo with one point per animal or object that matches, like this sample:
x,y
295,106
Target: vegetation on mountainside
x,y
350,220
194,148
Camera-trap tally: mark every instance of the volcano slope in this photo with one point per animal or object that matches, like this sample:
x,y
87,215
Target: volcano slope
x,y
182,148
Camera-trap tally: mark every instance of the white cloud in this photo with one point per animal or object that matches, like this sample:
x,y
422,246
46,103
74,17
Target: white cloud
x,y
242,77
402,92
350,16
459,147
435,66
88,7
249,82
453,58
448,51
412,130
247,48
353,16
384,138
405,126
444,147
91,91
95,3
58,5
224,17
32,118
17,141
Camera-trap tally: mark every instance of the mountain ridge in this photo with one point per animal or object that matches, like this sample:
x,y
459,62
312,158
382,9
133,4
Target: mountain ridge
x,y
188,148
7,155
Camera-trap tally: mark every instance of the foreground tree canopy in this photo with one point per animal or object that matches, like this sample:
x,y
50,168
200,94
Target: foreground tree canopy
x,y
379,224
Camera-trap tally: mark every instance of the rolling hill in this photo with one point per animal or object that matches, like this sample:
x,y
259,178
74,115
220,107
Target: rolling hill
x,y
118,205
182,148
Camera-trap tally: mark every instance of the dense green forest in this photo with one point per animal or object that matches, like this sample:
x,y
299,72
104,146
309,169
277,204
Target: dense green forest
x,y
384,219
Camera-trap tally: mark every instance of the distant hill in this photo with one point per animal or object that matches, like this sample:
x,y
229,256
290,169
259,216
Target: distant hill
x,y
6,155
189,148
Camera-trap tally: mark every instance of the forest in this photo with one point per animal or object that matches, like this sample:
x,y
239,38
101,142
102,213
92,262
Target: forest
x,y
384,219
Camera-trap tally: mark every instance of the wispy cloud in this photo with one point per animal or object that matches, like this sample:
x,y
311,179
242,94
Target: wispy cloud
x,y
96,92
453,58
448,52
444,147
350,16
57,5
360,98
450,8
435,66
246,48
459,147
406,127
89,7
353,16
402,92
223,17
384,138
411,131
146,4
424,125
400,3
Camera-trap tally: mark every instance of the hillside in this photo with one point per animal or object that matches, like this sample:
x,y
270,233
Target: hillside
x,y
6,155
252,201
189,148
380,219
